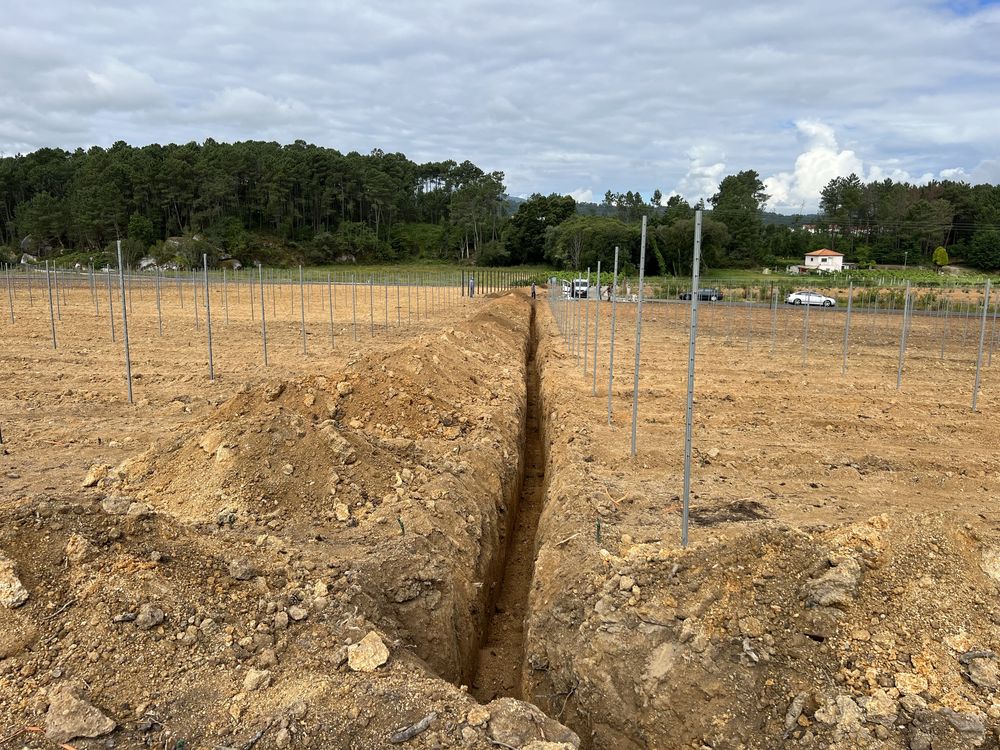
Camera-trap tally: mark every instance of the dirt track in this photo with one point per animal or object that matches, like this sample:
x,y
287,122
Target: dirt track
x,y
839,591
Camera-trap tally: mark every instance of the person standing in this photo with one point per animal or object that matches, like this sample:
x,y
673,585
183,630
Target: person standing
x,y
472,286
532,290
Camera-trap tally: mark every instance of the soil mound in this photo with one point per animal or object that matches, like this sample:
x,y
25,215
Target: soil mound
x,y
299,569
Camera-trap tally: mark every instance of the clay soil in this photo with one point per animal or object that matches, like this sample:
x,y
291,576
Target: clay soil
x,y
452,489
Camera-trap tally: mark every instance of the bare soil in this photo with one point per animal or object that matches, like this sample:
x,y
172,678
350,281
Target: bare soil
x,y
453,489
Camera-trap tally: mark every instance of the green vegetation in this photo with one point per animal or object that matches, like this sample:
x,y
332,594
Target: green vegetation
x,y
300,203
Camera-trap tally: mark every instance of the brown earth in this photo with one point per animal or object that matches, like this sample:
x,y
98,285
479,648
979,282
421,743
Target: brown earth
x,y
450,493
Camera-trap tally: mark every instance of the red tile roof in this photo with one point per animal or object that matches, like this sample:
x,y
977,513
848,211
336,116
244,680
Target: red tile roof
x,y
824,251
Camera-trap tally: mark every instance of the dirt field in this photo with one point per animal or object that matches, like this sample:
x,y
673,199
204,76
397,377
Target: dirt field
x,y
415,538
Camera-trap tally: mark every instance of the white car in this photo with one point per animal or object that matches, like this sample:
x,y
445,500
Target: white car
x,y
581,288
809,297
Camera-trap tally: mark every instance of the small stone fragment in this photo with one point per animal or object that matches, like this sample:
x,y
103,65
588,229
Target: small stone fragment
x,y
241,569
478,716
341,511
368,654
96,473
12,592
298,613
149,616
256,679
70,716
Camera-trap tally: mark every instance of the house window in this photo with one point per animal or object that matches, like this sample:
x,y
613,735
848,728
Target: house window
x,y
823,260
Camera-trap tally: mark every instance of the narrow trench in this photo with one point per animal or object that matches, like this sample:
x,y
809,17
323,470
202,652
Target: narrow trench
x,y
498,668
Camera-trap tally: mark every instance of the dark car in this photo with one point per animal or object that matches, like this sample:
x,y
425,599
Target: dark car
x,y
711,295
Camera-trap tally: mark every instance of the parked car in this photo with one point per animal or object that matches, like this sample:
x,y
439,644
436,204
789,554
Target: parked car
x,y
810,297
581,287
712,295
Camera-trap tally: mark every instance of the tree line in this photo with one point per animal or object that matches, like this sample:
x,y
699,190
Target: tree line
x,y
276,203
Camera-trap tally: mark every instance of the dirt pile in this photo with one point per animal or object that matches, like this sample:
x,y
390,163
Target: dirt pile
x,y
878,633
300,569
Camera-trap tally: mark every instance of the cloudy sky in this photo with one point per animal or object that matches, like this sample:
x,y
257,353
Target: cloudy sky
x,y
570,97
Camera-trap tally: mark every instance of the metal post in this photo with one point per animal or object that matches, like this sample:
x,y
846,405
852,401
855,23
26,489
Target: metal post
x,y
399,307
225,292
946,328
354,303
93,291
194,303
302,308
689,411
10,294
55,283
749,317
805,337
128,356
902,338
159,313
982,338
993,336
597,330
586,327
847,325
611,345
774,317
329,299
385,287
263,322
409,286
31,299
52,319
371,303
638,335
111,307
208,318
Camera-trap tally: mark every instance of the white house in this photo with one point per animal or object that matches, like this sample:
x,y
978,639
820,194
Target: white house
x,y
824,261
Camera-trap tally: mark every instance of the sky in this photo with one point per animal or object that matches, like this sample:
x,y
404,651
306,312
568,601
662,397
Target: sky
x,y
567,97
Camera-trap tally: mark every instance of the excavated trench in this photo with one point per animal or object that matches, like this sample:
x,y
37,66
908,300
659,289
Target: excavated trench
x,y
497,669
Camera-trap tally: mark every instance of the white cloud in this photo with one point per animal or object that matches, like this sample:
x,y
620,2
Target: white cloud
x,y
632,96
582,195
822,161
706,168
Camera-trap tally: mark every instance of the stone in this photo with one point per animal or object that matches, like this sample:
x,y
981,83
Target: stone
x,y
283,738
115,505
256,679
149,616
625,583
223,453
280,620
909,684
545,745
287,470
341,511
297,612
838,586
881,709
139,511
368,654
477,716
241,569
516,723
309,399
344,388
69,716
96,473
970,726
984,671
12,592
